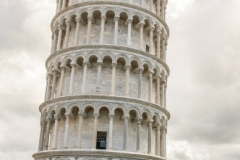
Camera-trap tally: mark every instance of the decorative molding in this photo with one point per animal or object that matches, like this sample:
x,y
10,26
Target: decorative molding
x,y
107,47
97,100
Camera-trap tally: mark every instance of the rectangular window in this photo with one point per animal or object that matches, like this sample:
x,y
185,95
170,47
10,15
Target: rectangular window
x,y
147,48
101,140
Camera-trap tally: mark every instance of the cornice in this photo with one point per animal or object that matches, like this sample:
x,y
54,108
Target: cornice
x,y
103,97
96,153
107,47
82,4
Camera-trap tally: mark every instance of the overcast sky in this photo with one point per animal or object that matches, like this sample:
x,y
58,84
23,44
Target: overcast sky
x,y
203,88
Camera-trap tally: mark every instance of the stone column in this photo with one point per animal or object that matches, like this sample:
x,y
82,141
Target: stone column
x,y
98,87
150,137
150,87
89,30
116,31
139,126
84,77
54,83
163,6
163,142
78,20
158,90
125,135
102,29
165,96
95,131
70,2
127,80
40,147
162,95
141,36
140,83
129,40
66,131
110,132
63,69
151,40
72,78
158,140
164,45
158,7
63,4
59,38
68,23
47,97
54,42
80,131
55,132
114,65
151,6
59,5
47,133
158,44
141,3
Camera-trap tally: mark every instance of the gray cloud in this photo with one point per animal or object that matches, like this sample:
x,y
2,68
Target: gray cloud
x,y
203,89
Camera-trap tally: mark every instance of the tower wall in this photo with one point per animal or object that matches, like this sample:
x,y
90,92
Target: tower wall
x,y
106,75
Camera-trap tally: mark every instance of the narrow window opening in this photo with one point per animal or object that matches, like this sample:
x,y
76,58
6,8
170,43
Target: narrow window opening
x,y
101,140
147,48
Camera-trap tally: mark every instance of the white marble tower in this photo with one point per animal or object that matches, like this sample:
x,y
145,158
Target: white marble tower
x,y
106,82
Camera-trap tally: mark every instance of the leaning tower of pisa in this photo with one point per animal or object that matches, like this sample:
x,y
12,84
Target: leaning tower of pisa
x,y
106,82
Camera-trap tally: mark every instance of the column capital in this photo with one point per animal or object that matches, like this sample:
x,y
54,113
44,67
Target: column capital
x,y
111,116
127,66
85,63
116,18
129,20
56,117
140,70
60,26
73,64
126,118
89,18
150,73
141,24
78,19
48,119
96,115
103,17
114,65
68,22
99,63
67,115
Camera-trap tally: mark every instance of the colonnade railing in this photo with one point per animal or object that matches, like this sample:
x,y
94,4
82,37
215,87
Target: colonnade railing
x,y
159,7
160,87
159,128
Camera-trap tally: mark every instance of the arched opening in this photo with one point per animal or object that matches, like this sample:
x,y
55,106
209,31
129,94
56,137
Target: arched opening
x,y
51,131
88,123
73,128
61,128
133,83
109,27
103,128
123,29
144,135
120,77
132,131
146,35
118,125
136,32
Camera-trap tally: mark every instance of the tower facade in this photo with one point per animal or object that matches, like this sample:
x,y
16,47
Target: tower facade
x,y
106,82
